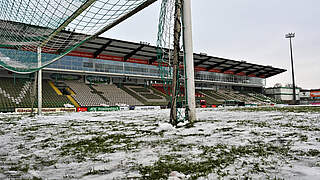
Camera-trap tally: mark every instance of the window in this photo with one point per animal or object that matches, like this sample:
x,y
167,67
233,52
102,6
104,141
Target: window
x,y
88,64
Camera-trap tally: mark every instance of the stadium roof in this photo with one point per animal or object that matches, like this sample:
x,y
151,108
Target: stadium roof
x,y
118,50
112,49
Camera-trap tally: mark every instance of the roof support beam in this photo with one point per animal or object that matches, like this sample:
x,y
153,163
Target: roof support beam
x,y
202,61
216,65
230,67
271,74
121,53
125,58
242,69
266,72
253,71
120,47
99,51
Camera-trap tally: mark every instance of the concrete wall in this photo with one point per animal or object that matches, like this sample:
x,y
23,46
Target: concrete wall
x,y
283,93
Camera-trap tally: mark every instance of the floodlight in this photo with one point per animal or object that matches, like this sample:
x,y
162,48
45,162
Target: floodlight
x,y
290,35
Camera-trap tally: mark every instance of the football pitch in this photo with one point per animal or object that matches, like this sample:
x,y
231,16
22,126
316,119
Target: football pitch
x,y
233,143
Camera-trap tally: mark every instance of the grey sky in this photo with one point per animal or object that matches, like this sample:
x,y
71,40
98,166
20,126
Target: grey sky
x,y
249,30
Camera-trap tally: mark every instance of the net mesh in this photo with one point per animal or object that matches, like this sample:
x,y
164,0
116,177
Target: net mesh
x,y
165,42
165,46
57,26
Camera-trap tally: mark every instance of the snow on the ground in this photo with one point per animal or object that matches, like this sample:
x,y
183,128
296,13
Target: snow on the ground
x,y
174,175
142,145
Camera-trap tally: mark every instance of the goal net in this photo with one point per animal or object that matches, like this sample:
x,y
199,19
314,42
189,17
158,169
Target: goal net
x,y
171,58
55,26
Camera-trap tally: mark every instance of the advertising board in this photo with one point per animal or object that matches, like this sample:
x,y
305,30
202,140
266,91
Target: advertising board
x,y
315,93
82,109
45,110
147,107
104,108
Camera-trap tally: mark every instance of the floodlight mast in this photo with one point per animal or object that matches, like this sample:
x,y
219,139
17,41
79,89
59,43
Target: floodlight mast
x,y
290,36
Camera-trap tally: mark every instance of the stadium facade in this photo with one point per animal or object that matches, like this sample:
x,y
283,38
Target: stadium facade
x,y
303,96
122,61
108,72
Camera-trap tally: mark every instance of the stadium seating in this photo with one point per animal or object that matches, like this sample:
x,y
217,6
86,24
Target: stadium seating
x,y
17,94
209,100
265,98
242,97
199,95
213,95
227,95
115,95
84,95
146,94
160,88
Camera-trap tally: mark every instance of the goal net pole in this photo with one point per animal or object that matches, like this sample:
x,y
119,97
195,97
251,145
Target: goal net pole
x,y
188,45
39,82
176,51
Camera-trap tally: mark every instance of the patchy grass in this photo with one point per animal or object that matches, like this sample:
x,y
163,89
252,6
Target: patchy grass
x,y
32,128
296,109
230,144
213,159
98,144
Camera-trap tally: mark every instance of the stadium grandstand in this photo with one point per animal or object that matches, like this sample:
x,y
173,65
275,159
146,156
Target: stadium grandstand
x,y
106,72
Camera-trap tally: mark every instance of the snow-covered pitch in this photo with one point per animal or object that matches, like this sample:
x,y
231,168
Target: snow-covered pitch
x,y
225,143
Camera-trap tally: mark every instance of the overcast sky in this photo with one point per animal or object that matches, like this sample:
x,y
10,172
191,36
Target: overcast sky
x,y
250,30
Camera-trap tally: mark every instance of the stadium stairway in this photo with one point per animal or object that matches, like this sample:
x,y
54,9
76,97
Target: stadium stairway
x,y
51,98
55,88
60,94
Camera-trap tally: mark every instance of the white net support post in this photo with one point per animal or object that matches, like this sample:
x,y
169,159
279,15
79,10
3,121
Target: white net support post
x,y
188,45
39,82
